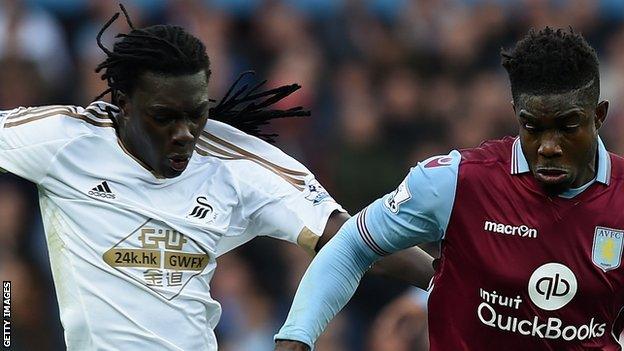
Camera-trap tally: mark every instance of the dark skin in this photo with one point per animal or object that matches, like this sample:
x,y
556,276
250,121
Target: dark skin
x,y
162,119
559,137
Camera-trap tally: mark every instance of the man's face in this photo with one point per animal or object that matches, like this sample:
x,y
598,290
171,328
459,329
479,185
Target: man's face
x,y
163,118
559,134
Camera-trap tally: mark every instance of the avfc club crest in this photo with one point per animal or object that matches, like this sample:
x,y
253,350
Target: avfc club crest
x,y
607,248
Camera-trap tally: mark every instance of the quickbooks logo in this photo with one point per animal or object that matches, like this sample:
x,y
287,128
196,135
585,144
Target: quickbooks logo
x,y
521,231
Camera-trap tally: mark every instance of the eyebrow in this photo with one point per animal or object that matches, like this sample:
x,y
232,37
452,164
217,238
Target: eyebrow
x,y
202,106
526,114
569,113
161,108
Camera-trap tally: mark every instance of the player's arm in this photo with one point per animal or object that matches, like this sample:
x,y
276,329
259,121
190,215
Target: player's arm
x,y
412,265
285,201
279,196
417,212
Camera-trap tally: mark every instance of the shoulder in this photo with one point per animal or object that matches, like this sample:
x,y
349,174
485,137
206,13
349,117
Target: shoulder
x,y
432,175
616,159
250,160
427,185
227,142
490,151
490,163
55,122
617,167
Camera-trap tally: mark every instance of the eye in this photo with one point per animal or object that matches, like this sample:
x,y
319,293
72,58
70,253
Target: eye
x,y
571,128
530,127
161,119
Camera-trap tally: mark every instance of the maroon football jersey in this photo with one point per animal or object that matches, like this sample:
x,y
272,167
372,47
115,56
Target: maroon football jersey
x,y
521,270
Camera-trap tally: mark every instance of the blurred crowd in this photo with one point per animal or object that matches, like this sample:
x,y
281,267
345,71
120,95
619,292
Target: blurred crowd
x,y
389,83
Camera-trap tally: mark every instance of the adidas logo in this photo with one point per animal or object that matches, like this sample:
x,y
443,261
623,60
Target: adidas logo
x,y
102,190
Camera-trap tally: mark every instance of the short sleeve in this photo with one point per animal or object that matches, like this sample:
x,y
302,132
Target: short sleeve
x,y
417,211
279,196
277,208
31,137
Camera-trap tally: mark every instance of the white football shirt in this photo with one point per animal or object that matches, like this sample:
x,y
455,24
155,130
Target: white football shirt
x,y
132,255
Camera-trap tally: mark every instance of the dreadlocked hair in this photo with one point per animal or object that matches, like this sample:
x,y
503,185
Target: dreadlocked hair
x,y
244,107
164,49
552,62
170,50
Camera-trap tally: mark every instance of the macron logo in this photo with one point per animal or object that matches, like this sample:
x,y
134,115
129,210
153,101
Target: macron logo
x,y
521,231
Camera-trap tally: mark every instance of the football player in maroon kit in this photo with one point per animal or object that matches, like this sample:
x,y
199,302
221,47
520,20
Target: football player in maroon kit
x,y
531,226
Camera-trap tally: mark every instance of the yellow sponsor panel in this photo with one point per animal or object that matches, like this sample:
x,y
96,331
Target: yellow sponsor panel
x,y
185,261
133,258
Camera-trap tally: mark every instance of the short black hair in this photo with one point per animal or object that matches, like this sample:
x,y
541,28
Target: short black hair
x,y
552,62
164,49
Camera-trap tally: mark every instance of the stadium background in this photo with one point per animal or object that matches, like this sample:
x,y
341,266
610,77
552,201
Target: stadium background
x,y
389,82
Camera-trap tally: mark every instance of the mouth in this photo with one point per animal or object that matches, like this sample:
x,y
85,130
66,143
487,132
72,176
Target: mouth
x,y
550,175
178,162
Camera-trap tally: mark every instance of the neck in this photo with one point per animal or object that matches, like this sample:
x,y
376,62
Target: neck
x,y
589,173
129,149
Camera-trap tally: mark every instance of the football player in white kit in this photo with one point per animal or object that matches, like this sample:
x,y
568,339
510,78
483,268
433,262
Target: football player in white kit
x,y
139,197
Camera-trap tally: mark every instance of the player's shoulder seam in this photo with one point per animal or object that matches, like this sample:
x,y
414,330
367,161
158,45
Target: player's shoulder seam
x,y
65,131
484,156
90,115
224,142
616,157
618,160
487,161
211,145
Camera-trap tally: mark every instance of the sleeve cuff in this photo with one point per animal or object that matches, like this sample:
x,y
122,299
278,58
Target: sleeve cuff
x,y
295,335
307,240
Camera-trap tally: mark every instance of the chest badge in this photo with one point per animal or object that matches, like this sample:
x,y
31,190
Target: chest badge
x,y
607,248
160,258
203,211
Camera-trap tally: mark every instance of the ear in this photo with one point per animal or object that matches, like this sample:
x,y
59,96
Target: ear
x,y
513,106
124,104
601,113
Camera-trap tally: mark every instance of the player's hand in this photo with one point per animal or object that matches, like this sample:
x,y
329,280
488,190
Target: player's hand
x,y
289,345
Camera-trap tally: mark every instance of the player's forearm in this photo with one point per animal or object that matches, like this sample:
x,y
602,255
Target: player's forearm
x,y
327,286
289,345
412,265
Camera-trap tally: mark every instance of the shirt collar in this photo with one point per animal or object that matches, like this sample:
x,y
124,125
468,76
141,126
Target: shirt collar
x,y
520,165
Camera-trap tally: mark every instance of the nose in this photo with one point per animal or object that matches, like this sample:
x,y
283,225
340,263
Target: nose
x,y
550,147
182,134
